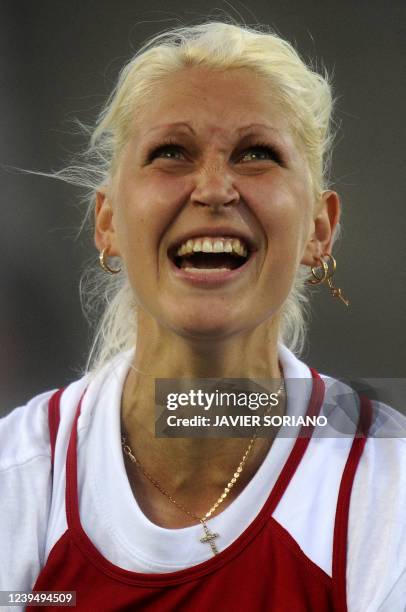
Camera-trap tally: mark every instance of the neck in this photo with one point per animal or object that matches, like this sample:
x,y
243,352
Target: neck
x,y
163,354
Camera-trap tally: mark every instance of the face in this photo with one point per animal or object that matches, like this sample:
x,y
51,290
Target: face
x,y
211,207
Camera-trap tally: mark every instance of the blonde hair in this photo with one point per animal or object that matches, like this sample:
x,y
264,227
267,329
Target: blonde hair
x,y
304,93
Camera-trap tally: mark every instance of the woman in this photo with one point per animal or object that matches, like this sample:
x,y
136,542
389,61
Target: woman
x,y
210,159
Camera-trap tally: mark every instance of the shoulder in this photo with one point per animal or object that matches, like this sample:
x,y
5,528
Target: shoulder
x,y
381,472
26,487
25,477
342,407
376,545
376,554
24,433
379,491
376,557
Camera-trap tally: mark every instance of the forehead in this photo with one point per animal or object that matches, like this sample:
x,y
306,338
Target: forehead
x,y
215,102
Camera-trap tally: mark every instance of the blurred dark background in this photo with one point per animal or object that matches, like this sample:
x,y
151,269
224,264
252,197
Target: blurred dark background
x,y
59,60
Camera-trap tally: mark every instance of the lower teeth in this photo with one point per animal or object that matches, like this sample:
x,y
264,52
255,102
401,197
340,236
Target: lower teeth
x,y
207,269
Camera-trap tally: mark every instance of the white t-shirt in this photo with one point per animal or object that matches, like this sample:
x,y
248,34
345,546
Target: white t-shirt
x,y
32,507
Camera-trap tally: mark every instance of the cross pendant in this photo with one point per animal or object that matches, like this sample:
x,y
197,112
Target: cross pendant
x,y
209,537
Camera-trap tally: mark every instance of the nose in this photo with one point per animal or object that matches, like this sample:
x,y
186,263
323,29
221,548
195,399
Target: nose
x,y
214,188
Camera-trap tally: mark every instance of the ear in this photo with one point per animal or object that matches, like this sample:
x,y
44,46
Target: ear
x,y
324,223
104,231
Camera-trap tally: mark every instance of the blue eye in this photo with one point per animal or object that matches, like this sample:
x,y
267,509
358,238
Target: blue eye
x,y
169,151
260,153
255,153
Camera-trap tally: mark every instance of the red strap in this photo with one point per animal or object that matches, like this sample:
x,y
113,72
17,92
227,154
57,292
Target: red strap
x,y
53,420
90,551
302,441
343,506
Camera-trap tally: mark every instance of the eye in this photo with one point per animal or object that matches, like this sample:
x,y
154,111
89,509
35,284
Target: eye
x,y
259,153
167,151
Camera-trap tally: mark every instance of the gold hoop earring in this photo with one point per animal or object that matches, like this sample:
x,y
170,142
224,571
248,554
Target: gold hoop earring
x,y
105,266
317,280
328,276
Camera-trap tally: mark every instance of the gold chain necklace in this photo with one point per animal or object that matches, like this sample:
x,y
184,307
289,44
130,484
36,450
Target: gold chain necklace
x,y
209,536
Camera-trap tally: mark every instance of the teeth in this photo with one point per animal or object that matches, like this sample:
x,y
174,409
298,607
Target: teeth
x,y
213,245
237,247
207,246
205,270
197,246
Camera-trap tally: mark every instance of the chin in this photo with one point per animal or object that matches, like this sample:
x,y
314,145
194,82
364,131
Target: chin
x,y
205,325
216,322
207,332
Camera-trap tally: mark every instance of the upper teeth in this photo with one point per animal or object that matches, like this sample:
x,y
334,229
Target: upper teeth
x,y
213,245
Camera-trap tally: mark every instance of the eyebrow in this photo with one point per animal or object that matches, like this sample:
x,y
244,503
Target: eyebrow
x,y
177,124
254,126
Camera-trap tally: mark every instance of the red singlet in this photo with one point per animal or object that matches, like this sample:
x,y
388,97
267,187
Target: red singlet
x,y
264,570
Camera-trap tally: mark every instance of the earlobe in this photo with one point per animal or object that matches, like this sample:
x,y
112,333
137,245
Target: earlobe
x,y
324,225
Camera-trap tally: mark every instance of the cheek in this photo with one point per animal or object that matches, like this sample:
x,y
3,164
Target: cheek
x,y
282,208
144,211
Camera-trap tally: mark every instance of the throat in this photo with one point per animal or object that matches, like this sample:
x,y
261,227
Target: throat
x,y
198,493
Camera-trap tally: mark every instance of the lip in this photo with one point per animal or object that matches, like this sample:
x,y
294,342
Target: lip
x,y
211,279
221,231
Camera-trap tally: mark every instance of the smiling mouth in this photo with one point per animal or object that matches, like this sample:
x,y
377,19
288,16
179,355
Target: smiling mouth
x,y
210,253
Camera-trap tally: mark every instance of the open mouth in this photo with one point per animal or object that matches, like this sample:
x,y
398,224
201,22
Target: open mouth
x,y
210,254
